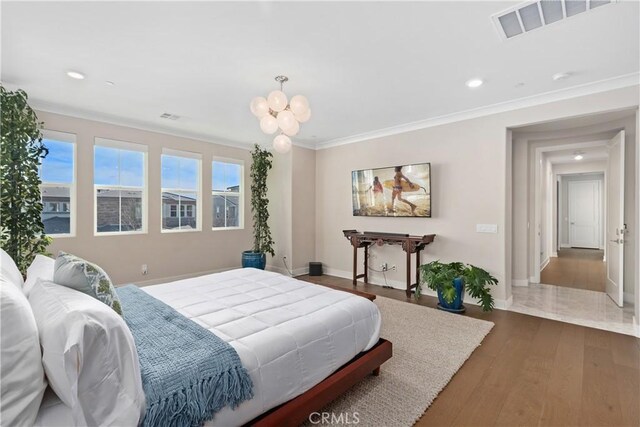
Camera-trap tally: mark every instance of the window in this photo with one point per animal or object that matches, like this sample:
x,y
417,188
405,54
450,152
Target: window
x,y
119,177
180,190
227,193
57,173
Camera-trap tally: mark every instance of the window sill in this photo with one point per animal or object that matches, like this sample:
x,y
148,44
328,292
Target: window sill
x,y
61,236
169,231
226,228
118,233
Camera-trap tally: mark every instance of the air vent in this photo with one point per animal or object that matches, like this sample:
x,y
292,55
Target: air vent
x,y
531,15
169,116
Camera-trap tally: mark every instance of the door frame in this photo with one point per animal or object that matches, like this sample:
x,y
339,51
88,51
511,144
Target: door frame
x,y
601,208
535,182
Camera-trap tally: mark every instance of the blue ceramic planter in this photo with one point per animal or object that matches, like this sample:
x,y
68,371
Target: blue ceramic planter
x,y
254,259
456,305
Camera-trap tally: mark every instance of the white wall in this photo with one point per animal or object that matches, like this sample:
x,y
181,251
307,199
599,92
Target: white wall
x,y
469,166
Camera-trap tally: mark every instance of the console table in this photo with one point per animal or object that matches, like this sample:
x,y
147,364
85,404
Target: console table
x,y
410,244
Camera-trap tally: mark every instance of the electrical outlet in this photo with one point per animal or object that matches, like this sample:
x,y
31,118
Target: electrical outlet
x,y
384,266
144,269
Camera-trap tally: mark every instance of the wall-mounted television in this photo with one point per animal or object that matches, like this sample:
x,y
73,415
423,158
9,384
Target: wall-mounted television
x,y
396,191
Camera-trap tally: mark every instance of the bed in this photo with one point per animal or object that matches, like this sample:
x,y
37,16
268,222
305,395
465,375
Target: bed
x,y
302,344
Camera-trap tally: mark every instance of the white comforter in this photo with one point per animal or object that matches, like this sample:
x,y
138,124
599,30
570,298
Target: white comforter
x,y
289,334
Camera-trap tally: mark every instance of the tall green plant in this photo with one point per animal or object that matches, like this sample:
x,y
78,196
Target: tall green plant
x,y
21,152
262,163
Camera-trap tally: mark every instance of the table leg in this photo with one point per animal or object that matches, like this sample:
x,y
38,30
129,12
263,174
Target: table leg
x,y
366,264
417,267
355,265
408,274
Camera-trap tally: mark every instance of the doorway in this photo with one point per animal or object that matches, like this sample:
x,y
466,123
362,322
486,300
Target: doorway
x,y
573,183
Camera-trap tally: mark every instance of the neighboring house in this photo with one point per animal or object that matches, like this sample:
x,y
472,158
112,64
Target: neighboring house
x,y
226,206
112,211
178,211
56,211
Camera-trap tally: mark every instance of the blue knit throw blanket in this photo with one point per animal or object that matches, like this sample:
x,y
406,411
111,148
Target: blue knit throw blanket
x,y
188,373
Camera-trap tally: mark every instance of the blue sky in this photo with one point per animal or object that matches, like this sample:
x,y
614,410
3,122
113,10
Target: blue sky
x,y
122,167
58,165
112,166
179,172
225,175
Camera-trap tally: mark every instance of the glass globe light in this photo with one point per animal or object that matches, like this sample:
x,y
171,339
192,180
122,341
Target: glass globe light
x,y
282,143
259,107
277,100
292,130
299,105
285,119
268,124
303,117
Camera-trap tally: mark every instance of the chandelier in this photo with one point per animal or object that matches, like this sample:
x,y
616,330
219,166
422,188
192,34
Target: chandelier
x,y
277,114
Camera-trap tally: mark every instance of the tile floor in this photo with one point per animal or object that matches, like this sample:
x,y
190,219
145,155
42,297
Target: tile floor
x,y
577,306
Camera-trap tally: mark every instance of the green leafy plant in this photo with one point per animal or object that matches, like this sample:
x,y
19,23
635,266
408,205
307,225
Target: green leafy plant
x,y
439,276
21,151
260,166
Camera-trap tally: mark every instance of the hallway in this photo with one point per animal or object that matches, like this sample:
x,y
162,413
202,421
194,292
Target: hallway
x,y
576,268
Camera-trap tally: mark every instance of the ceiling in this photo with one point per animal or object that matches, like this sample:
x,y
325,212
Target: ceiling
x,y
364,66
589,154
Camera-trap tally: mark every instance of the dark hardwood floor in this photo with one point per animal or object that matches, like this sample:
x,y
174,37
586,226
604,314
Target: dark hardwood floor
x,y
531,371
576,268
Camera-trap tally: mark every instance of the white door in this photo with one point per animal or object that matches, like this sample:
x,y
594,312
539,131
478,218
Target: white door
x,y
615,218
584,214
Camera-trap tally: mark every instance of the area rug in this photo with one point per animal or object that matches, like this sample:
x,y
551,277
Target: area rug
x,y
429,346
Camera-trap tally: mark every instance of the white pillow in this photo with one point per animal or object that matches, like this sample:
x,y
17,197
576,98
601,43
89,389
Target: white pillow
x,y
89,356
10,270
22,381
42,267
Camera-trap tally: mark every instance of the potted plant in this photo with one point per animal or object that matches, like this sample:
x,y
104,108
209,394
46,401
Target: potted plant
x,y
21,229
450,282
262,241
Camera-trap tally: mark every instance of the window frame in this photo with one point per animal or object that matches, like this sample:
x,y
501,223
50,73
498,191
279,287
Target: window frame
x,y
127,146
240,194
71,139
198,191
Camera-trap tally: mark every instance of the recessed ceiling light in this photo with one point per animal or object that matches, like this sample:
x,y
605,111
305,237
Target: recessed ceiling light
x,y
578,157
474,83
561,76
75,75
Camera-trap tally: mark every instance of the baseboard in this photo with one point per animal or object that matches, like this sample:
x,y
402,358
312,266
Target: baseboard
x,y
554,255
521,283
564,245
500,304
300,271
544,264
533,280
182,276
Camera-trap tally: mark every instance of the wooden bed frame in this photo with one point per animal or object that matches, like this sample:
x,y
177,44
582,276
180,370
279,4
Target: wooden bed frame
x,y
296,411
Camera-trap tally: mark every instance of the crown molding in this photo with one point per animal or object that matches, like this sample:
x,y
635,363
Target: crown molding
x,y
618,82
